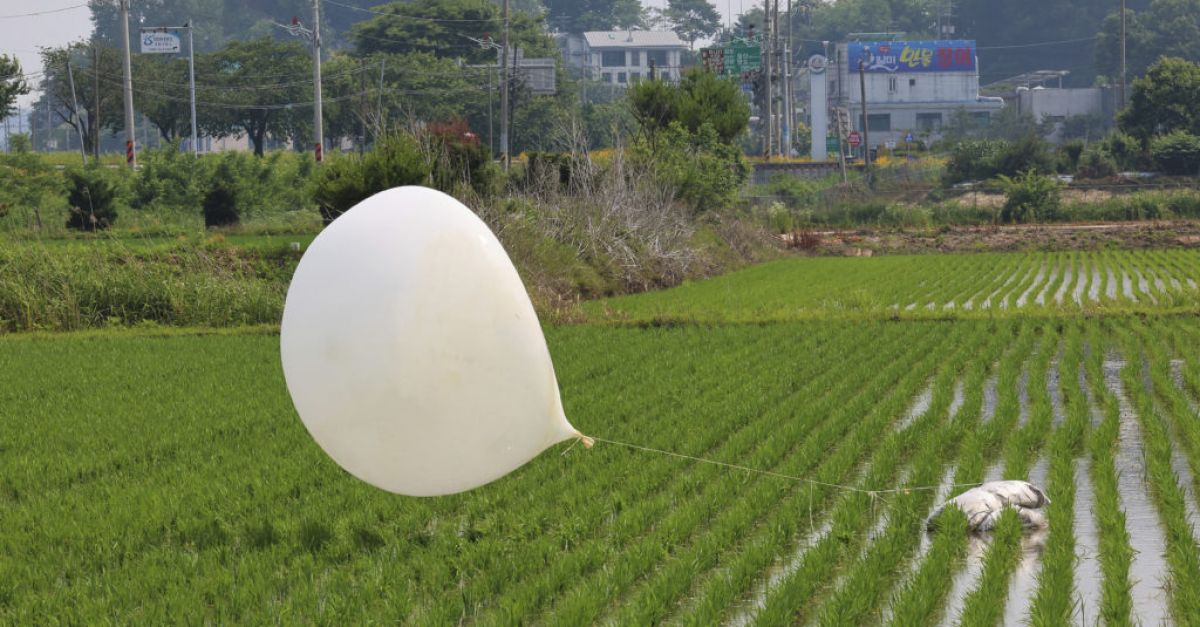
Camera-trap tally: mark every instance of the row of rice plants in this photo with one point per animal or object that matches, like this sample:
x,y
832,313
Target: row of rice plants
x,y
1182,555
985,605
780,533
783,448
920,600
1054,603
650,488
793,597
869,579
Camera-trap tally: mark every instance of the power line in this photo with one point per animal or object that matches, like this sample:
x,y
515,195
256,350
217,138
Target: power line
x,y
37,13
1040,43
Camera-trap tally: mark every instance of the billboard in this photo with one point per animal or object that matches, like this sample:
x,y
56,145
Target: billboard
x,y
160,40
956,55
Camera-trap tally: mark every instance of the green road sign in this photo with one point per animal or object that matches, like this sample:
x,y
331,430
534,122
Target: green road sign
x,y
742,56
831,144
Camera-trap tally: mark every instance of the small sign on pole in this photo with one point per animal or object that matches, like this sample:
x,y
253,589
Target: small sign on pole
x,y
161,41
854,139
891,144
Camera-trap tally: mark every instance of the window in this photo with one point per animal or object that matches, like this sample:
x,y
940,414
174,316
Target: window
x,y
621,77
912,82
879,122
612,58
635,58
606,77
980,119
658,57
892,84
929,122
635,76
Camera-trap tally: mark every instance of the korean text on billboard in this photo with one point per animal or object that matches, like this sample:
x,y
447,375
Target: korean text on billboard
x,y
913,56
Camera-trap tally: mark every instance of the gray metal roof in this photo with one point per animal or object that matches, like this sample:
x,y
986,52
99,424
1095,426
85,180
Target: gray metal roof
x,y
633,39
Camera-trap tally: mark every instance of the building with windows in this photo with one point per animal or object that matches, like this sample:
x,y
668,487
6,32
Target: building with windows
x,y
621,57
912,87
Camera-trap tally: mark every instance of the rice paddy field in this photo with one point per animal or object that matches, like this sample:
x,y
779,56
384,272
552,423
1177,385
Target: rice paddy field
x,y
162,475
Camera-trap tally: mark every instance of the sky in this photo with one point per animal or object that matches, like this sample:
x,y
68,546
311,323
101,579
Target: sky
x,y
64,21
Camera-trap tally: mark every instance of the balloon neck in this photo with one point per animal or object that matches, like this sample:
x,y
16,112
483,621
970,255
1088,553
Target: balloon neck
x,y
585,440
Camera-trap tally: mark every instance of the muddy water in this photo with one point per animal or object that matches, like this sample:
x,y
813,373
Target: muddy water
x,y
1062,289
1056,397
1144,286
1024,584
1088,578
1037,280
920,405
1094,286
1111,287
990,397
1145,534
1023,399
1127,287
1081,282
959,398
1041,297
966,579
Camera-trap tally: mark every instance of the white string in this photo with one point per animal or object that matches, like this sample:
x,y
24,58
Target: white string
x,y
871,493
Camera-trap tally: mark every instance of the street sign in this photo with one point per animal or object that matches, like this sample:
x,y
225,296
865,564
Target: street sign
x,y
908,138
891,144
714,59
831,145
747,88
742,56
160,40
854,139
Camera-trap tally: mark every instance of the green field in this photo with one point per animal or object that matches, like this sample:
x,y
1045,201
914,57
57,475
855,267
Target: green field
x,y
152,477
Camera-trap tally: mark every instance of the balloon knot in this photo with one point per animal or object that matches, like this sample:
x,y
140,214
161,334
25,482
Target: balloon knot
x,y
587,442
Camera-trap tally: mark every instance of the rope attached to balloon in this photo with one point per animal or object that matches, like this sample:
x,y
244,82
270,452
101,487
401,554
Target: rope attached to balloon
x,y
588,442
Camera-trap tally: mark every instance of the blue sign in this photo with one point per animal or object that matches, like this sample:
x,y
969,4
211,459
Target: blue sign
x,y
747,88
956,55
908,137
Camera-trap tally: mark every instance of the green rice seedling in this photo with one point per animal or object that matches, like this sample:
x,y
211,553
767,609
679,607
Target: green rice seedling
x,y
985,604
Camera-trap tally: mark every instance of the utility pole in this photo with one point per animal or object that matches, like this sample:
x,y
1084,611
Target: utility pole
x,y
504,93
130,156
95,100
862,85
318,128
79,120
770,116
362,107
1123,76
788,105
192,85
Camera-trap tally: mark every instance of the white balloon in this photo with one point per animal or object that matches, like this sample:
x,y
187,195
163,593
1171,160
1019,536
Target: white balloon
x,y
411,349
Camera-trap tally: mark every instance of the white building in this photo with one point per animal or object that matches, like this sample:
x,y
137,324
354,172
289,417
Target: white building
x,y
623,56
1053,105
911,87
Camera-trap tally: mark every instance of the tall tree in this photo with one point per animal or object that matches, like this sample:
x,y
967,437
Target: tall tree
x,y
1165,28
1164,100
262,88
163,96
12,84
692,19
577,16
447,28
96,103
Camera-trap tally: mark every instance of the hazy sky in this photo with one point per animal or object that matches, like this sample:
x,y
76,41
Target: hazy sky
x,y
23,35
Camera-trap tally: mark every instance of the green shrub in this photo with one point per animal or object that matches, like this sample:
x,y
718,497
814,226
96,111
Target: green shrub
x,y
1126,150
973,159
350,179
701,171
1096,163
92,198
793,191
169,179
1069,153
221,200
1177,153
1029,197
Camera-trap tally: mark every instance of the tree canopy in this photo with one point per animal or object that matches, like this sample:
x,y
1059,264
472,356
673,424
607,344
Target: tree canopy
x,y
1163,101
12,84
